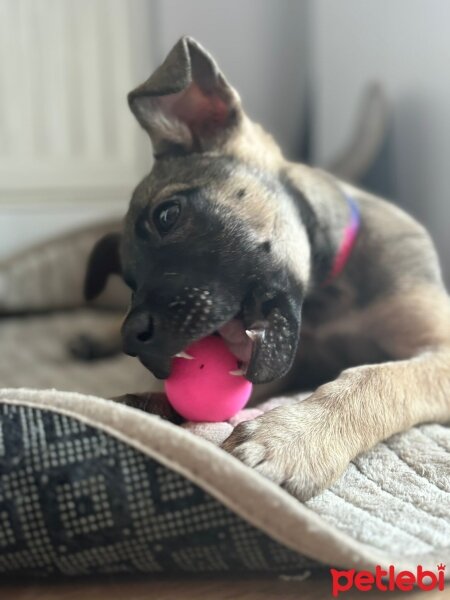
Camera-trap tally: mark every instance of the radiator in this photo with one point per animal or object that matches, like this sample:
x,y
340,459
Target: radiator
x,y
66,133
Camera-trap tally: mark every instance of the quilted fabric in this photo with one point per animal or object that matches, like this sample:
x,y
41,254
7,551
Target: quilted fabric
x,y
74,500
75,474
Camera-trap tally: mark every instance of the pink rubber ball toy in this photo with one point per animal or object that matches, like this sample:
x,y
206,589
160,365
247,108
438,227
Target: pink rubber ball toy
x,y
201,388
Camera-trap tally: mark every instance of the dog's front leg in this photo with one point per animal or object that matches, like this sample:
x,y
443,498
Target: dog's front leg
x,y
307,445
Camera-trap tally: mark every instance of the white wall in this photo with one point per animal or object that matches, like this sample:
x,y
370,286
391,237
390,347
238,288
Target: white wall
x,y
406,45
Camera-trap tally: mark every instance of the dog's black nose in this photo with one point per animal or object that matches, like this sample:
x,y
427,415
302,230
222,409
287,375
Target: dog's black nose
x,y
137,332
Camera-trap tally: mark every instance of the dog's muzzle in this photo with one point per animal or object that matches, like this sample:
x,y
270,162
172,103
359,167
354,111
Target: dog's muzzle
x,y
159,327
139,334
262,333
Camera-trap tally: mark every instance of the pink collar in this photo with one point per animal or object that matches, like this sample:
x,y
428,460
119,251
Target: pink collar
x,y
348,241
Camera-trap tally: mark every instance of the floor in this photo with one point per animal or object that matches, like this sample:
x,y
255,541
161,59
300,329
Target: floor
x,y
194,589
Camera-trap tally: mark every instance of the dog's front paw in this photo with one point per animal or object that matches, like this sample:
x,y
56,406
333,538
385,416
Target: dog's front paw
x,y
296,446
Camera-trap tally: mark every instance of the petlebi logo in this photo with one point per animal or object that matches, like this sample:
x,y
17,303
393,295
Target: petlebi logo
x,y
388,580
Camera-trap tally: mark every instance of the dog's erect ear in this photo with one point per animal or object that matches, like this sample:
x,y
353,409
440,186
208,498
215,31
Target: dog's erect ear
x,y
186,105
104,260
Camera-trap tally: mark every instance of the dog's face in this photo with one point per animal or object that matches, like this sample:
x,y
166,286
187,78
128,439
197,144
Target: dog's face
x,y
197,252
212,240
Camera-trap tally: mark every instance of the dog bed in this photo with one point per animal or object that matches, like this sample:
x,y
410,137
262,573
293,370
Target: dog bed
x,y
92,486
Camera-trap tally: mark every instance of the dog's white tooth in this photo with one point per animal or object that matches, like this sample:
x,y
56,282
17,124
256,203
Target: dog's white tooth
x,y
255,334
237,373
184,355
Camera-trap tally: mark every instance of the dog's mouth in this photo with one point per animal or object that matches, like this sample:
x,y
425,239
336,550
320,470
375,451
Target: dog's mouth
x,y
262,335
264,343
242,341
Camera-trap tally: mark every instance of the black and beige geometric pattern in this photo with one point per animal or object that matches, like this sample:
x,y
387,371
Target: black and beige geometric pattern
x,y
75,500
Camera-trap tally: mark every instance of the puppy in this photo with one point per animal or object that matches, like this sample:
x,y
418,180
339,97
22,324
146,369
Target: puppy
x,y
310,281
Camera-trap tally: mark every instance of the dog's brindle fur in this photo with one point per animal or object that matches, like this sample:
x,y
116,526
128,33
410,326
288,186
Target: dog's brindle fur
x,y
376,340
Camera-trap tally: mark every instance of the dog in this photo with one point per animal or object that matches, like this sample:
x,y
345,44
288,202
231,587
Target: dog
x,y
312,282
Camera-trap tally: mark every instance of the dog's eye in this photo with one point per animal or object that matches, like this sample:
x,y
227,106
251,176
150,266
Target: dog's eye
x,y
166,215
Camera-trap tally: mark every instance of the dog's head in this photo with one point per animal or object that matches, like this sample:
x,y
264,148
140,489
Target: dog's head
x,y
212,240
